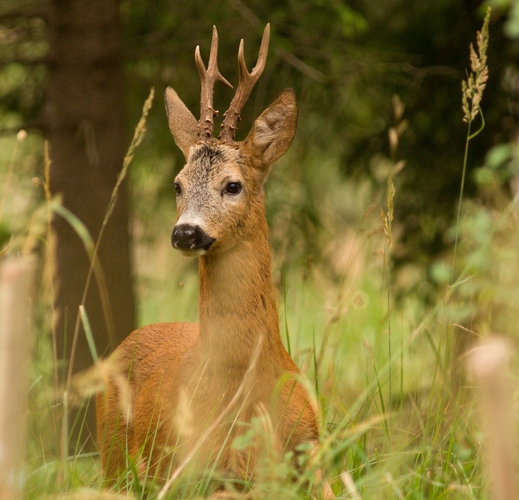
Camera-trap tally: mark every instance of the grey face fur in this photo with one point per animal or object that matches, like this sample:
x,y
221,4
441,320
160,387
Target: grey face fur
x,y
213,193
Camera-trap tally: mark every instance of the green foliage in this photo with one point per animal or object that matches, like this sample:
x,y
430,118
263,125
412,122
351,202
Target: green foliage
x,y
511,26
344,59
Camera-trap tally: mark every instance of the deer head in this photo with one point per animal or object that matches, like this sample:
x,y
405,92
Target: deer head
x,y
220,197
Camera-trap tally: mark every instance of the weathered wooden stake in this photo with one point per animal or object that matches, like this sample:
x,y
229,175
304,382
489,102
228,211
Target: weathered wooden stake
x,y
489,363
16,289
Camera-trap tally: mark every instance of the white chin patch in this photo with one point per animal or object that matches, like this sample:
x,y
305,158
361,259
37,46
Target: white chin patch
x,y
193,253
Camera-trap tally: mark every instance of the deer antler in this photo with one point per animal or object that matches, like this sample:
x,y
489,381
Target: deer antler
x,y
208,77
246,83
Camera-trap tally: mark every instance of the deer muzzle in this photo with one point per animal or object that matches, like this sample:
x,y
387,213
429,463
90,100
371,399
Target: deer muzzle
x,y
190,239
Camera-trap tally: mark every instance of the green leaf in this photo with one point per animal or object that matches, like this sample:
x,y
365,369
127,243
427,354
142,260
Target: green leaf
x,y
498,155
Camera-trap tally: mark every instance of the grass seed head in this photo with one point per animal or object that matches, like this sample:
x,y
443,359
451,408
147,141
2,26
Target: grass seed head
x,y
472,88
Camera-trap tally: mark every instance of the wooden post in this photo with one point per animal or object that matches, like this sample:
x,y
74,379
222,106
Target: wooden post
x,y
16,288
489,364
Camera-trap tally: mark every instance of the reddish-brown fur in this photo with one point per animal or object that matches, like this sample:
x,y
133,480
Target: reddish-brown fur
x,y
185,377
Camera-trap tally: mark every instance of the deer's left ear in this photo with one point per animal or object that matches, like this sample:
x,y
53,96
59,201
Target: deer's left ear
x,y
274,129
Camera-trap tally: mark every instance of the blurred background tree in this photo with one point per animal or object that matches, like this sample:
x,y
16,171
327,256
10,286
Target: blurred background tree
x,y
78,71
345,60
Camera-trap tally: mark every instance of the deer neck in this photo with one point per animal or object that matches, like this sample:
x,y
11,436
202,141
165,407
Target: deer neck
x,y
237,305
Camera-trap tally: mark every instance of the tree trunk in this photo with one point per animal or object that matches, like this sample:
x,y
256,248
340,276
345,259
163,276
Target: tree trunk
x,y
85,111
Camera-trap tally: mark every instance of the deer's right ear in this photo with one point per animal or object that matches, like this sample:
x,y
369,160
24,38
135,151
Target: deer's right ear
x,y
182,123
274,129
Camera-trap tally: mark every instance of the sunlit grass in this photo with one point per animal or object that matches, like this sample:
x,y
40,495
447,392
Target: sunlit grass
x,y
420,441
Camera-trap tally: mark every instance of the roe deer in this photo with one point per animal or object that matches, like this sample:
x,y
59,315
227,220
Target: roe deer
x,y
196,384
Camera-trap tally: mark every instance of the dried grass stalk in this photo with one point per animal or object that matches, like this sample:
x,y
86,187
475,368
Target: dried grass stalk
x,y
472,89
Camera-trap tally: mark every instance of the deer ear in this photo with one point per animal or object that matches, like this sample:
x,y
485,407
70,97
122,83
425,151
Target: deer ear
x,y
274,129
182,123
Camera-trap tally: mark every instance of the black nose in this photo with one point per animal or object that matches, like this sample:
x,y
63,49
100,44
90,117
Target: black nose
x,y
189,237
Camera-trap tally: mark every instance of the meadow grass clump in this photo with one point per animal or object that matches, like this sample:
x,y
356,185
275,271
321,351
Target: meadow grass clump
x,y
404,442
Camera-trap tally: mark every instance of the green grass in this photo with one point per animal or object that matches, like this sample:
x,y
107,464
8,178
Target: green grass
x,y
422,442
419,440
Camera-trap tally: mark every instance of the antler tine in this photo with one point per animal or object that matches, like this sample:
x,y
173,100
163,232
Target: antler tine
x,y
246,83
207,78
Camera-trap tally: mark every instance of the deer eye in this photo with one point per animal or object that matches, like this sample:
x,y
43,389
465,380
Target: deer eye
x,y
233,188
178,189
